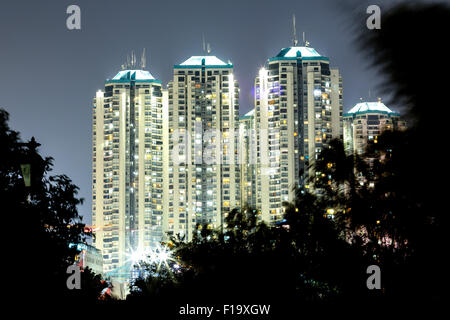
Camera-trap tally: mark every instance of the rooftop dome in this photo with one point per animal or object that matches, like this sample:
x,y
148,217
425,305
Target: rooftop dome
x,y
298,52
133,75
198,61
248,115
369,107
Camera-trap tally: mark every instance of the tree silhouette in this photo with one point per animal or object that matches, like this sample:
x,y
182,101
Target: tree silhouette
x,y
44,220
413,165
303,259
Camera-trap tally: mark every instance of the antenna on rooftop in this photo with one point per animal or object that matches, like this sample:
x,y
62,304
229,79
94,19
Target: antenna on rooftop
x,y
127,65
131,62
133,59
203,42
143,60
294,30
305,43
206,46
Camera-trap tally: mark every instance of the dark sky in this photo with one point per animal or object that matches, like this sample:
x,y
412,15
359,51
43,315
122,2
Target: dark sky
x,y
49,74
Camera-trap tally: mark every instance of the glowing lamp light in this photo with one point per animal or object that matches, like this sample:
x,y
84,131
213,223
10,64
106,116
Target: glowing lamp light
x,y
136,256
162,256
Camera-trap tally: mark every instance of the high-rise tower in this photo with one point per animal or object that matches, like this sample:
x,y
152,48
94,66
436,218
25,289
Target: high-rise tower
x,y
128,185
203,157
298,109
247,158
365,122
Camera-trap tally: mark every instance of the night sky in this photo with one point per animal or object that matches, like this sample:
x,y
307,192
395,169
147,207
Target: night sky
x,y
49,74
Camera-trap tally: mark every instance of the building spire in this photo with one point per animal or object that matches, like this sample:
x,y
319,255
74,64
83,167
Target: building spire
x,y
294,31
305,43
206,46
133,59
143,60
203,42
127,63
132,63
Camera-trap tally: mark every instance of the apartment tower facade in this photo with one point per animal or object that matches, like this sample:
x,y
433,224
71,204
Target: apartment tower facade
x,y
365,122
203,145
298,109
128,184
247,158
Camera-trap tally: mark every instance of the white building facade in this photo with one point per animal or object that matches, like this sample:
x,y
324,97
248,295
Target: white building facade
x,y
365,122
298,109
247,158
128,184
203,154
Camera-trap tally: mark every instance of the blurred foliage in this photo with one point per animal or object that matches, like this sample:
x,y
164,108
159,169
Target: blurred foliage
x,y
42,220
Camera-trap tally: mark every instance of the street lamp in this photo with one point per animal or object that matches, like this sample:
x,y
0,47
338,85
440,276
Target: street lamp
x,y
25,168
26,173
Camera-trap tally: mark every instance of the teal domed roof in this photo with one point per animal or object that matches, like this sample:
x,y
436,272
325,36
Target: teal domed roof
x,y
369,107
298,52
248,115
207,61
133,75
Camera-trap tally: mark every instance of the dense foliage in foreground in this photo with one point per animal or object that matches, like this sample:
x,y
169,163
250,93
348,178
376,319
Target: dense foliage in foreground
x,y
44,221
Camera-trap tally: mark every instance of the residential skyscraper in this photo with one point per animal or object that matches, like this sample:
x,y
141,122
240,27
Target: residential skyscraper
x,y
365,122
298,109
128,185
247,158
203,119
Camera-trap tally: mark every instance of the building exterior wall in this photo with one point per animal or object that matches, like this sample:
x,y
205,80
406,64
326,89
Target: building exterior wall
x,y
89,257
298,109
128,186
365,122
247,159
203,169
